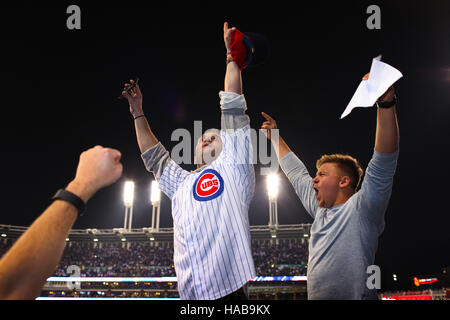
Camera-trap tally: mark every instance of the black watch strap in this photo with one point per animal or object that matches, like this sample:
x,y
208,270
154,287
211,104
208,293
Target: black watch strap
x,y
68,196
387,104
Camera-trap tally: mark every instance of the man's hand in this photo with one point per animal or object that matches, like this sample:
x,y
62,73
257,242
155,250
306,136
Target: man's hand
x,y
387,96
226,36
233,78
134,97
269,124
280,146
98,167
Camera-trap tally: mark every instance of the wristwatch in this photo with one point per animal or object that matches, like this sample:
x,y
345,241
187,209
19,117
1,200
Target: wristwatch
x,y
73,199
387,104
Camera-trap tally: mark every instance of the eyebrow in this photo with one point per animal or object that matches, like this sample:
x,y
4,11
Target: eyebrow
x,y
321,171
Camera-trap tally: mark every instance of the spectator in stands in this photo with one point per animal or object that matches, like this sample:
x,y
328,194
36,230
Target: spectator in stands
x,y
32,259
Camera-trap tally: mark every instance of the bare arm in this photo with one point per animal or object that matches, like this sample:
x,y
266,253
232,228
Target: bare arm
x,y
34,257
233,76
387,132
232,101
145,137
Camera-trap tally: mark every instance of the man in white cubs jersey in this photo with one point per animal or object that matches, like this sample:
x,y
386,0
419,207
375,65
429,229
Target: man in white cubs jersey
x,y
212,248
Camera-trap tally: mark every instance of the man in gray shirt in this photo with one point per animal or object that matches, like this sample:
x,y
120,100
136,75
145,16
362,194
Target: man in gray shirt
x,y
347,222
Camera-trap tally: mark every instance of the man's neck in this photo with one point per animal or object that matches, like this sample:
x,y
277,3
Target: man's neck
x,y
343,197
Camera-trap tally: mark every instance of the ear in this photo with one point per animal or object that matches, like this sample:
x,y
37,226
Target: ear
x,y
344,182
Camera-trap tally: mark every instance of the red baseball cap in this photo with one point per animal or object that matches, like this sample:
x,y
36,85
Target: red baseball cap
x,y
249,49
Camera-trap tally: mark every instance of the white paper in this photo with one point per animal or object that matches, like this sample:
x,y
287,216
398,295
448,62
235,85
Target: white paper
x,y
381,77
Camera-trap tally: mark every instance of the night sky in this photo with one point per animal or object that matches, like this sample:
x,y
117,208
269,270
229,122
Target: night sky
x,y
60,91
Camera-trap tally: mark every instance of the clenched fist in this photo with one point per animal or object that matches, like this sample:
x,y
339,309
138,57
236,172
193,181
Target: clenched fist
x,y
98,167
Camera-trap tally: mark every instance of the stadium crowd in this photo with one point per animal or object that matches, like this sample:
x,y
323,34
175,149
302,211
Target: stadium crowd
x,y
139,259
113,260
284,259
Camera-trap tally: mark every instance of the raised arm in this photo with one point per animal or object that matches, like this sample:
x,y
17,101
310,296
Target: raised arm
x,y
35,255
156,158
376,187
145,137
291,165
233,76
232,101
387,132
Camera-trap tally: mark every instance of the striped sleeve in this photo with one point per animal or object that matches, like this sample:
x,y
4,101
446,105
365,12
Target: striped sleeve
x,y
168,173
233,107
235,133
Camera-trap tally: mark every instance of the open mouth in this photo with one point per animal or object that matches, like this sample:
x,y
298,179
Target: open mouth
x,y
317,192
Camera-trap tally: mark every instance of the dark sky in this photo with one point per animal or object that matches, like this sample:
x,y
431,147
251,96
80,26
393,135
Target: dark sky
x,y
60,91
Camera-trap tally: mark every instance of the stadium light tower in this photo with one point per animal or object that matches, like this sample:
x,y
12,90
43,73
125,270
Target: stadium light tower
x,y
272,192
155,199
128,197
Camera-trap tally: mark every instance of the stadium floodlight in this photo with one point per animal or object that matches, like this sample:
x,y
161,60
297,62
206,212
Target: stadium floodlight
x,y
155,193
272,185
128,193
155,199
272,192
128,197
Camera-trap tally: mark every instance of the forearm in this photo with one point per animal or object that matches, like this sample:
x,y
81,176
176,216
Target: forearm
x,y
387,132
35,256
233,78
145,137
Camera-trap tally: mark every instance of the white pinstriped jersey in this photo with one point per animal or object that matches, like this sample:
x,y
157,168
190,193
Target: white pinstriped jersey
x,y
212,248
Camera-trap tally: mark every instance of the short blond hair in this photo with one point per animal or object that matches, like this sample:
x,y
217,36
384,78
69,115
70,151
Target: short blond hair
x,y
346,164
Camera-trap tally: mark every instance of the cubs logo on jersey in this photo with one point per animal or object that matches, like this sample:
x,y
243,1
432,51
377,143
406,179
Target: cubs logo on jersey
x,y
208,186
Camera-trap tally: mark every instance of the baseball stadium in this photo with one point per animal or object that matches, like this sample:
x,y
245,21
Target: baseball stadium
x,y
225,153
130,264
